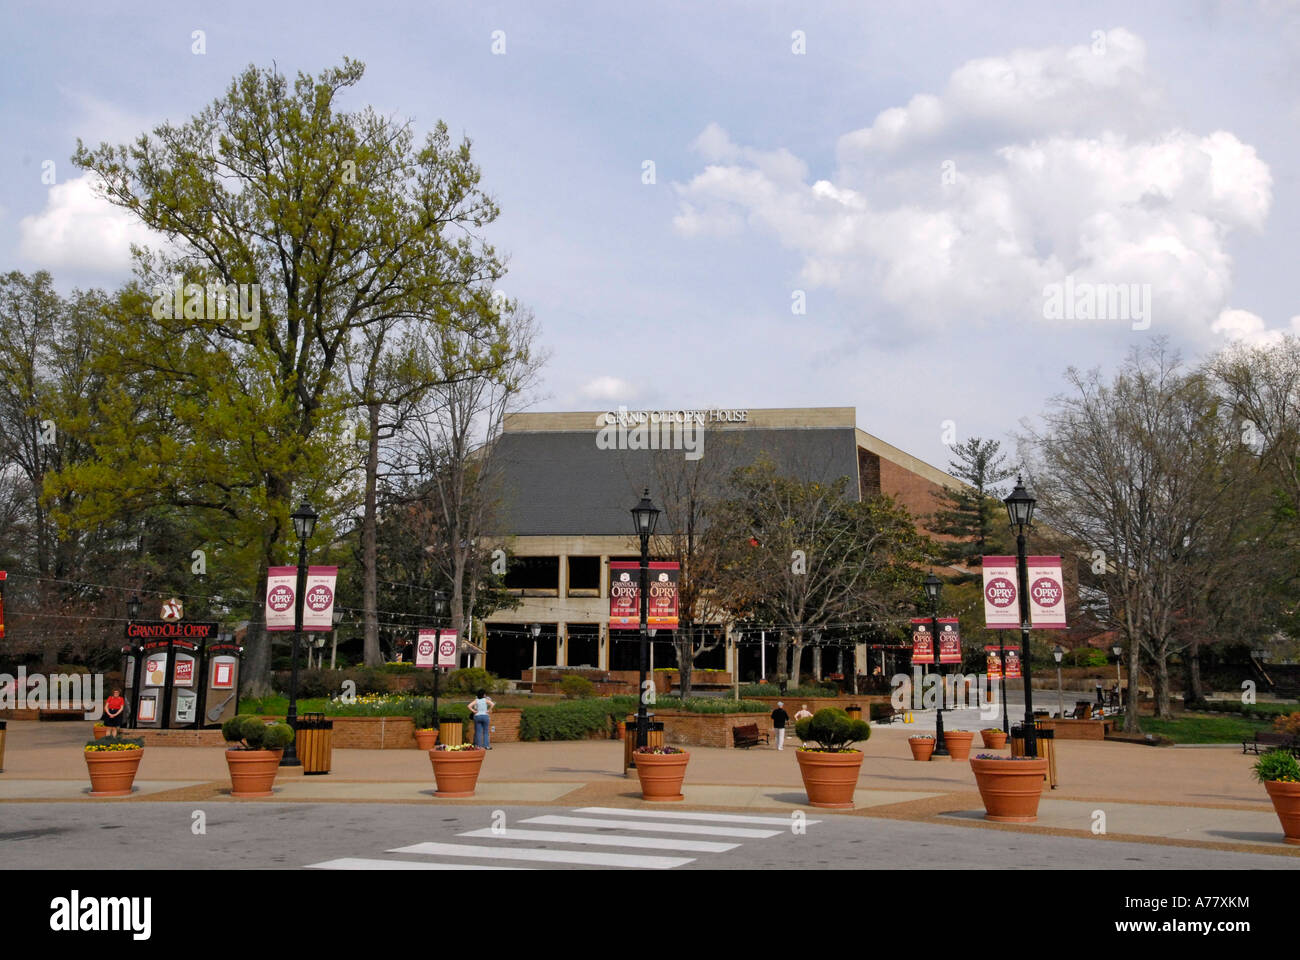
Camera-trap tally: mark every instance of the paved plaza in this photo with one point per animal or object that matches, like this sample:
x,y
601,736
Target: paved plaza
x,y
1111,794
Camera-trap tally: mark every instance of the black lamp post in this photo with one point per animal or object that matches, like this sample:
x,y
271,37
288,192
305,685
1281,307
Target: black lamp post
x,y
644,515
1020,511
304,522
1057,653
933,587
133,614
1118,651
440,613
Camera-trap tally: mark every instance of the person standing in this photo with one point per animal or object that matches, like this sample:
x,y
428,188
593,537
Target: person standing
x,y
779,719
481,709
114,709
1100,702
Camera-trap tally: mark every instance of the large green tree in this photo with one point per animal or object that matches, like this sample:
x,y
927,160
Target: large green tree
x,y
319,223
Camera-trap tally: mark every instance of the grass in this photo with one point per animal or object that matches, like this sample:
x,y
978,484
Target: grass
x,y
1193,728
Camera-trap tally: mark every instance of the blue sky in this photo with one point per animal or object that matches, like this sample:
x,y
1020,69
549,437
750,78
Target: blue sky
x,y
1150,144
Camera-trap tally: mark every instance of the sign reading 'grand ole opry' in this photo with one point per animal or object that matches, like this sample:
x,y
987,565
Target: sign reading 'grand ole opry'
x,y
628,417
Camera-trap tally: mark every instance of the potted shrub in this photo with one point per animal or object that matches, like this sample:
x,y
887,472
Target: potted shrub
x,y
254,757
994,739
828,764
112,762
100,730
1009,786
958,743
1279,772
426,734
922,745
661,771
455,768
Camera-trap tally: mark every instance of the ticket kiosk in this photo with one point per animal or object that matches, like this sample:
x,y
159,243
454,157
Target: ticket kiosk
x,y
164,667
220,700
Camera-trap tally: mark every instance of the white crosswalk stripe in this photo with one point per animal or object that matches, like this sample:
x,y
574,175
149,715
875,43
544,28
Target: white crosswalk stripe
x,y
692,828
666,832
603,840
688,815
585,857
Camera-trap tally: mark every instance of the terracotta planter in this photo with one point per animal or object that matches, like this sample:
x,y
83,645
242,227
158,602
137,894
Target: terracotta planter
x,y
456,771
112,771
100,732
1010,789
922,747
426,739
661,775
829,779
1286,802
958,743
252,772
994,739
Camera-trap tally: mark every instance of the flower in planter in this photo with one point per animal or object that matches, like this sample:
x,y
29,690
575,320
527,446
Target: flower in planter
x,y
998,756
991,730
452,748
1278,766
921,736
659,750
114,744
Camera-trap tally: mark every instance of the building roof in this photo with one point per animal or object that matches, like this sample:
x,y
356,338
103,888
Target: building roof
x,y
557,481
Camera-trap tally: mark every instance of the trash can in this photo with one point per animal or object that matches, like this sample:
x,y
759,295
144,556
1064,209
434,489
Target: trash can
x,y
2,745
654,737
1045,734
315,743
451,732
854,711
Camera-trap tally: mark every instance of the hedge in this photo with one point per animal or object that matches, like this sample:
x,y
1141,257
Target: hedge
x,y
1246,709
569,720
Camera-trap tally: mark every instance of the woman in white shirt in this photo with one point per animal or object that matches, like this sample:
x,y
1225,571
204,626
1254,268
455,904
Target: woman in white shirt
x,y
480,707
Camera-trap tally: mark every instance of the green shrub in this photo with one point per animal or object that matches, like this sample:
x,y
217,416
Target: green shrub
x,y
470,679
1277,765
832,730
256,734
575,687
1288,724
1087,657
568,720
759,690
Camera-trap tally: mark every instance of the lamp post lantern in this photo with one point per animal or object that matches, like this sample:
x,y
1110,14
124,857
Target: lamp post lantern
x,y
1057,653
536,630
1020,511
933,588
304,523
644,516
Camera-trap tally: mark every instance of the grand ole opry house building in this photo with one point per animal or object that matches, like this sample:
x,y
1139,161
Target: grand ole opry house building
x,y
566,496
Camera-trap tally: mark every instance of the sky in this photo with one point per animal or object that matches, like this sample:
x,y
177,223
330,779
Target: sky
x,y
905,208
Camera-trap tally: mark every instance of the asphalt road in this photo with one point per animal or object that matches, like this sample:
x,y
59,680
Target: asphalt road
x,y
36,836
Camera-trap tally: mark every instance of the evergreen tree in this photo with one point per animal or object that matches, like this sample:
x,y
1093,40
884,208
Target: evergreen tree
x,y
971,515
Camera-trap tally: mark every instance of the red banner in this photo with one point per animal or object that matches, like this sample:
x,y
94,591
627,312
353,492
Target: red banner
x,y
922,641
625,595
949,640
1013,663
992,665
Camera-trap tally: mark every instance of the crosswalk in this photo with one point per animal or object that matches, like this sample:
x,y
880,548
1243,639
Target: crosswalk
x,y
677,837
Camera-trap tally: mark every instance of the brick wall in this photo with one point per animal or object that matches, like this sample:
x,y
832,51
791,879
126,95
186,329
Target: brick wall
x,y
708,729
912,491
177,738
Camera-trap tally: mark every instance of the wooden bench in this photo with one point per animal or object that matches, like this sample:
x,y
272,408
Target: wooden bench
x,y
883,713
748,735
1270,741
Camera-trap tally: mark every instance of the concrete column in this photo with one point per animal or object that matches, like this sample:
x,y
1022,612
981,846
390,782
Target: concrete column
x,y
561,647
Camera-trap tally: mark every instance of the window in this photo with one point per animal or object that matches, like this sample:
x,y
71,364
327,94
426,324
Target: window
x,y
584,577
534,576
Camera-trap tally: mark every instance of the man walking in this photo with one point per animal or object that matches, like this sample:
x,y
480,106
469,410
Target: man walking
x,y
779,719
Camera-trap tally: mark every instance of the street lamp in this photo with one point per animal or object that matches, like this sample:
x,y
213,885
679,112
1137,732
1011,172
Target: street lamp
x,y
137,648
1117,650
933,587
644,517
304,523
1057,653
536,631
1020,511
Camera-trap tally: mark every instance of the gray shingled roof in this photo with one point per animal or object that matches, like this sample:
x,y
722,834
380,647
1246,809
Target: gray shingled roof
x,y
561,483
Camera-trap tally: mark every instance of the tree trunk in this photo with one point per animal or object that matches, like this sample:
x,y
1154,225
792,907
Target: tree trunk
x,y
686,661
1192,660
1132,699
369,545
782,658
1161,681
817,662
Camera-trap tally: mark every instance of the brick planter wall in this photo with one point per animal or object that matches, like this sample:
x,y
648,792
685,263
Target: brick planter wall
x,y
708,729
792,704
177,738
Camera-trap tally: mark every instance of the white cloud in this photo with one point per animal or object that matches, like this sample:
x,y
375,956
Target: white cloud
x,y
81,230
1242,326
610,389
1028,168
